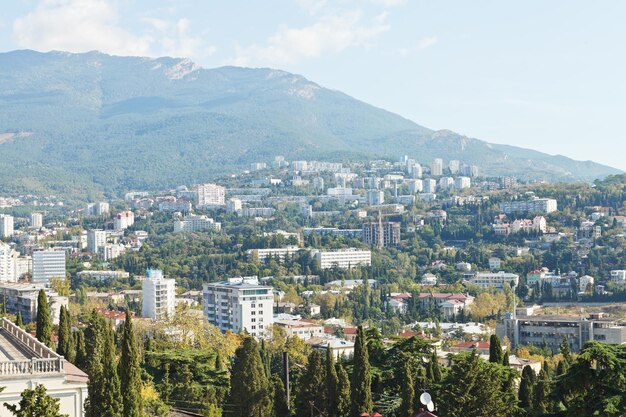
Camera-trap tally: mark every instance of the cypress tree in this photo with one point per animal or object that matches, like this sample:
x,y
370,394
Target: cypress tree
x,y
540,392
419,385
65,345
309,385
526,387
18,319
343,392
249,387
495,349
281,407
361,383
130,372
44,321
113,396
505,359
565,351
436,369
81,353
408,393
332,385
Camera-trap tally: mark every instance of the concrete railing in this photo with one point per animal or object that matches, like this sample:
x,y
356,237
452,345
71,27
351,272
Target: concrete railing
x,y
44,360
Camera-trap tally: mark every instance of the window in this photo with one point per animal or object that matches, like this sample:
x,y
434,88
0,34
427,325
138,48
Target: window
x,y
253,320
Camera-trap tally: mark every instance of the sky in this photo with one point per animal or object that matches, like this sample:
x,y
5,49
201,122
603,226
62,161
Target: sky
x,y
545,75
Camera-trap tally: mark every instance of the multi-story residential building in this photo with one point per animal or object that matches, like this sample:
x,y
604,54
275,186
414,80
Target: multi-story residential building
x,y
195,223
454,166
461,183
618,275
239,304
6,225
257,166
23,298
449,304
332,231
416,186
436,167
375,197
159,293
35,220
95,239
7,263
261,255
103,275
343,258
257,212
446,183
303,329
588,231
98,209
233,205
208,195
534,205
27,362
550,330
183,206
381,234
111,251
494,279
123,220
430,185
48,264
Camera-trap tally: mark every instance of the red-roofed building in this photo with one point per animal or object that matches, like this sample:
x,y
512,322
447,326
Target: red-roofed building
x,y
481,347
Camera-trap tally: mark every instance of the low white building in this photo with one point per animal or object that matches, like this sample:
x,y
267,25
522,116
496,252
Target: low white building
x,y
494,279
262,254
618,275
343,258
195,223
303,329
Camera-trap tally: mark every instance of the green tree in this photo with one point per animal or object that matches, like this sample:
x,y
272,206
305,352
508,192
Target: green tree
x,y
343,392
18,319
436,369
564,350
526,387
332,385
36,403
361,382
281,406
65,345
130,371
310,395
44,321
495,349
540,392
473,388
250,389
408,394
81,353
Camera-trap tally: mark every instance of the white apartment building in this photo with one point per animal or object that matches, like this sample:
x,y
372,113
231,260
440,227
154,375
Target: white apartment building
x,y
159,295
618,275
343,258
454,166
48,264
239,304
208,195
6,225
494,279
96,239
534,205
430,185
436,167
7,263
303,329
26,362
262,254
233,205
110,251
375,197
195,223
123,220
446,183
416,186
35,220
461,183
98,209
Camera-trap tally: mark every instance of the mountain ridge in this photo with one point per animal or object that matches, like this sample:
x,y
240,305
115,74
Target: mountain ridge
x,y
107,120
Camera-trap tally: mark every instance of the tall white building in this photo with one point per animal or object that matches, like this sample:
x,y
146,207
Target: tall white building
x,y
158,295
7,263
239,304
6,225
430,185
96,239
416,186
436,167
461,183
343,258
98,209
445,183
195,223
454,166
123,220
48,264
375,197
545,205
233,205
210,195
35,220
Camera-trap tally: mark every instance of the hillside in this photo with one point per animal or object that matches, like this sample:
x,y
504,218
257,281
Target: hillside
x,y
83,124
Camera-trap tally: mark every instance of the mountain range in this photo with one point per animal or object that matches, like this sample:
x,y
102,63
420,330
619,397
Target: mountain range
x,y
86,124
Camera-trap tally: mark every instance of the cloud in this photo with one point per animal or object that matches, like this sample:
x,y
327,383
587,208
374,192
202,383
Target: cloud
x,y
389,3
328,34
424,43
86,25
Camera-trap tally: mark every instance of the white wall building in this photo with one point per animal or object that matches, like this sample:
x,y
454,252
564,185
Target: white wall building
x,y
35,220
123,220
233,205
6,225
618,275
239,304
494,279
534,205
48,264
195,223
375,197
436,167
416,186
159,295
262,254
96,239
461,183
7,263
208,195
344,258
430,185
98,209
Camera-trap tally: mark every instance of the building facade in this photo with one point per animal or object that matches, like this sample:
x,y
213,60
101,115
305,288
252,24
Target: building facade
x,y
159,295
344,258
208,195
195,223
48,264
6,225
380,234
494,279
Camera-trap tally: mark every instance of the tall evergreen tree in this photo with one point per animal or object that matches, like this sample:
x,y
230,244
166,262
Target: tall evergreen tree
x,y
81,353
18,319
111,378
526,387
343,392
309,397
332,385
44,321
407,390
436,369
505,359
564,350
65,345
130,371
361,382
540,392
495,349
249,387
281,406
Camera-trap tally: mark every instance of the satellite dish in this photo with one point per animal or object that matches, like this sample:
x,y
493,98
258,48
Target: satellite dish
x,y
425,398
430,406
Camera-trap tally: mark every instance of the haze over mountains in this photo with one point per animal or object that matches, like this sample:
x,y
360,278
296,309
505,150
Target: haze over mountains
x,y
76,123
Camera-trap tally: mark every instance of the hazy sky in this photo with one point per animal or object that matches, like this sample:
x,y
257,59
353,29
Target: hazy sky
x,y
547,75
